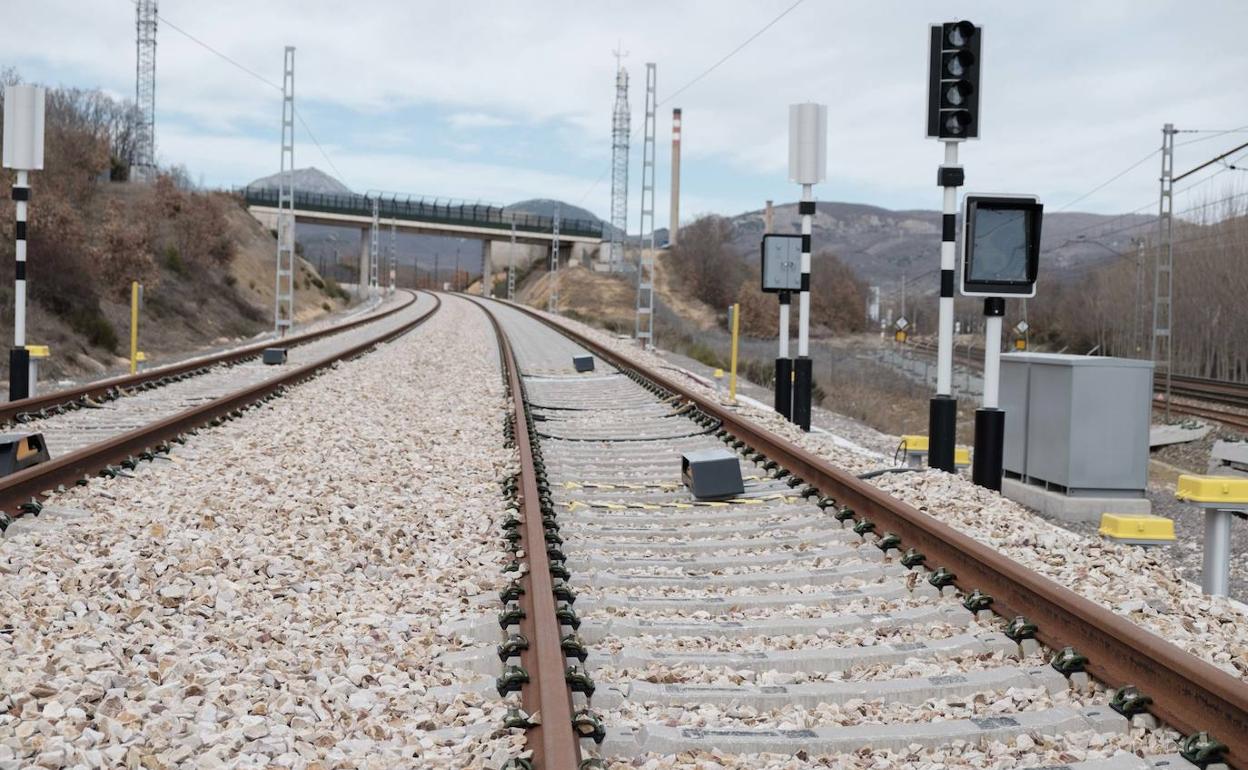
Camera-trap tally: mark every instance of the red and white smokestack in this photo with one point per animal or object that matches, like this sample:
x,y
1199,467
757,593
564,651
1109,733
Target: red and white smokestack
x,y
674,222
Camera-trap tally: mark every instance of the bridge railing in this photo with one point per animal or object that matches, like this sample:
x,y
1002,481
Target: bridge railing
x,y
442,211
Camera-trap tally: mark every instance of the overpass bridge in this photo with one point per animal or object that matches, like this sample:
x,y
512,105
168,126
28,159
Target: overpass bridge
x,y
490,224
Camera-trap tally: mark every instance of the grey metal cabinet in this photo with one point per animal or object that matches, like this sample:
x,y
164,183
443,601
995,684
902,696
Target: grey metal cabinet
x,y
1078,423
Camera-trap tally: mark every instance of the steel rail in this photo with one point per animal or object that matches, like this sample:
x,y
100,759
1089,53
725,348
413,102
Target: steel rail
x,y
553,741
1188,693
69,469
9,411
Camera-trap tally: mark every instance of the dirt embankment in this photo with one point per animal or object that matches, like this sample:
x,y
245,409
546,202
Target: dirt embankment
x,y
610,300
187,307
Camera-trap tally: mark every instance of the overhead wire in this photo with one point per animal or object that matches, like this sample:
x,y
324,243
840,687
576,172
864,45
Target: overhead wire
x,y
262,79
690,83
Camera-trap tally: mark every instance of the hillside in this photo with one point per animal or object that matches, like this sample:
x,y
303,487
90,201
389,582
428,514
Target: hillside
x,y
881,244
610,301
186,307
310,179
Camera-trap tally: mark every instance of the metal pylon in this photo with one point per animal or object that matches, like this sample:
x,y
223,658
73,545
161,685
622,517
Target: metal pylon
x,y
511,263
552,303
1163,276
374,248
284,293
645,261
143,166
620,129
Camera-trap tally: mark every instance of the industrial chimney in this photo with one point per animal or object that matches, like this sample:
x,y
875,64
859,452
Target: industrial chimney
x,y
674,223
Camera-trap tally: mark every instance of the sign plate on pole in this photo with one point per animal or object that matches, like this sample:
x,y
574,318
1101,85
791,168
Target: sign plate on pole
x,y
782,262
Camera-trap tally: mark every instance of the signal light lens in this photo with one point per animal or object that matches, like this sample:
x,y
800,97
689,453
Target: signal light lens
x,y
957,94
957,122
960,34
957,64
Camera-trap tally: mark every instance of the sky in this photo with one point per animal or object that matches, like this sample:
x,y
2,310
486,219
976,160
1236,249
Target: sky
x,y
502,101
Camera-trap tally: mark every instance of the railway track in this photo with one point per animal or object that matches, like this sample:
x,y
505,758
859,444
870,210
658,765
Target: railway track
x,y
1204,389
94,393
112,439
814,619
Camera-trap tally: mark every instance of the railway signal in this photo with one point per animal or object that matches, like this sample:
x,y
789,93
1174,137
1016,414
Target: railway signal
x,y
1000,257
952,117
953,81
782,274
23,152
808,165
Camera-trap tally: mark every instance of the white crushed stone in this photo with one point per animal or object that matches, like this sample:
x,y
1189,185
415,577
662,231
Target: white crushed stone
x,y
277,594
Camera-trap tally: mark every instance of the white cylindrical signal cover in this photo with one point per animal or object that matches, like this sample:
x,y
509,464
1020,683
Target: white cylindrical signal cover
x,y
23,127
808,143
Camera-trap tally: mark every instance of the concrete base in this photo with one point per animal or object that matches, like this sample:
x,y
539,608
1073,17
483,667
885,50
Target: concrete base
x,y
1068,508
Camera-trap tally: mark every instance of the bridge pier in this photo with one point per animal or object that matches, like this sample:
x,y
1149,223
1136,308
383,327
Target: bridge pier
x,y
361,279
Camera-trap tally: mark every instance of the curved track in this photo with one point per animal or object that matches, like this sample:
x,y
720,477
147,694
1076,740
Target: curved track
x,y
812,616
92,393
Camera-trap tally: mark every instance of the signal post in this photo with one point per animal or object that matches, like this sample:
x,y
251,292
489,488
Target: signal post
x,y
952,117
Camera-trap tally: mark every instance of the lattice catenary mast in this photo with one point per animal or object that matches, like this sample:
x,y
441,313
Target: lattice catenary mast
x,y
143,166
620,127
645,261
284,294
1163,277
552,302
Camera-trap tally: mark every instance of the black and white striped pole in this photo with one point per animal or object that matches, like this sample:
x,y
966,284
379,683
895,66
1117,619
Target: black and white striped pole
x,y
952,117
808,166
22,152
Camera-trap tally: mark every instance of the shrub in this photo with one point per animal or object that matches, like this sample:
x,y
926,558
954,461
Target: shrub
x,y
91,323
173,260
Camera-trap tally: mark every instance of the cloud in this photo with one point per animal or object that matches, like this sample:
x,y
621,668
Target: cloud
x,y
476,120
1070,97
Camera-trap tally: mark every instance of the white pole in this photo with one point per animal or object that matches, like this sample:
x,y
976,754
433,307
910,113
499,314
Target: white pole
x,y
784,328
19,302
948,264
992,360
803,299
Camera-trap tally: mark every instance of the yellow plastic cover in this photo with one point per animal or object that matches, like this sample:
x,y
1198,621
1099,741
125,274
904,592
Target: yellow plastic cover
x,y
38,351
914,443
1213,489
1136,526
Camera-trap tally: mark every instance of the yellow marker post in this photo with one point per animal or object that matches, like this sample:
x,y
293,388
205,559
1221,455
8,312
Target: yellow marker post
x,y
134,327
732,376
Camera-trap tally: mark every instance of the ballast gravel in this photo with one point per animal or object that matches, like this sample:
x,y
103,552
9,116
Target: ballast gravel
x,y
1144,587
276,593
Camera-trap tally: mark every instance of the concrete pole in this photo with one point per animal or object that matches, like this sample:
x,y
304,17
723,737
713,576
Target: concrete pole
x,y
802,370
987,465
784,364
674,222
360,288
19,358
943,408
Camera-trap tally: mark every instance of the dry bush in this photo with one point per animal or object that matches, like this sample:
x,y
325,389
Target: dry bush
x,y
705,263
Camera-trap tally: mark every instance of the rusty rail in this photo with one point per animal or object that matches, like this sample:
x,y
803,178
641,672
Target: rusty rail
x,y
554,742
9,411
66,470
1188,693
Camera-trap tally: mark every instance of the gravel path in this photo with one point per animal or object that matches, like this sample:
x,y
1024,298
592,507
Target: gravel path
x,y
277,592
